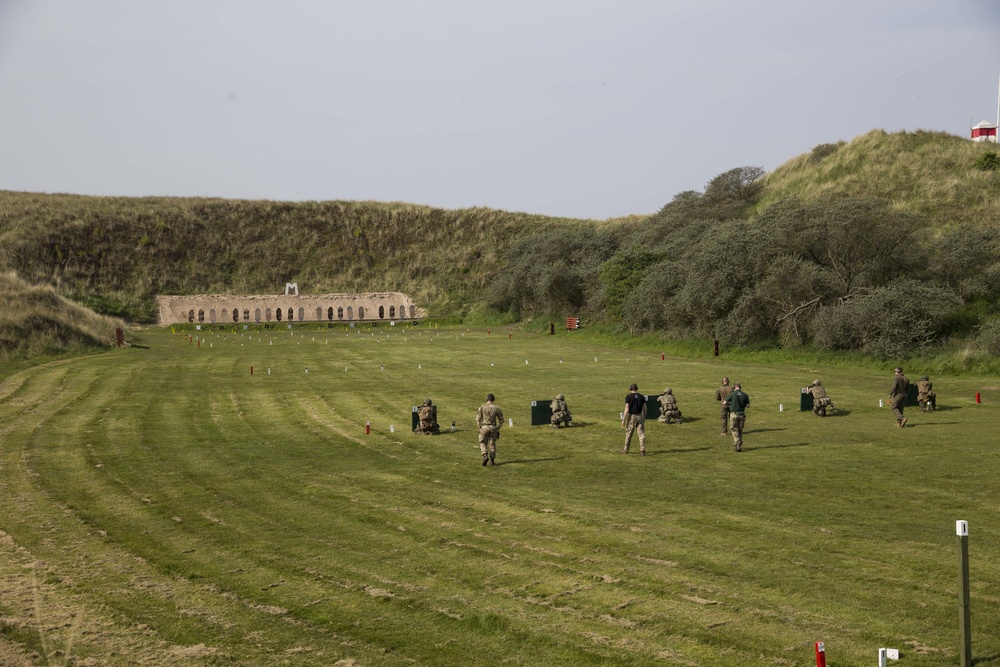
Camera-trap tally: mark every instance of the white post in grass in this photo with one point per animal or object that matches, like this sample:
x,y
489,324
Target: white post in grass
x,y
964,613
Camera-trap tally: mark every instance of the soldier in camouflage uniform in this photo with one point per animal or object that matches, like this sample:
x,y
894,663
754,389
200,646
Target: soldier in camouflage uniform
x,y
428,420
668,407
560,412
738,403
820,400
722,394
925,394
489,418
897,396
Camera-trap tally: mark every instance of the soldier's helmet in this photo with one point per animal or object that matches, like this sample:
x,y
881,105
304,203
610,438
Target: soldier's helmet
x,y
427,401
817,383
668,390
924,377
560,397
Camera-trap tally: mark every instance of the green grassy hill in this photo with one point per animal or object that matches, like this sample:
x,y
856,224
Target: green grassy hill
x,y
115,254
930,173
35,320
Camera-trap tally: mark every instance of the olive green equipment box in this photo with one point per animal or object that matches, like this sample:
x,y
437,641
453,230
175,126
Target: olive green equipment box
x,y
541,412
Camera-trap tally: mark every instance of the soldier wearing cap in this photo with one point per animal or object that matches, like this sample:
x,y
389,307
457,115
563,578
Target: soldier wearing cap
x,y
560,412
668,407
428,419
897,396
820,400
489,418
925,394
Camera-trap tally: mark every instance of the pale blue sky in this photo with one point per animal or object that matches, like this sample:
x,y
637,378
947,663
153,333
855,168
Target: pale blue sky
x,y
575,108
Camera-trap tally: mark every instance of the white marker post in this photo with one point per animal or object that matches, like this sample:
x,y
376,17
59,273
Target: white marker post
x,y
964,611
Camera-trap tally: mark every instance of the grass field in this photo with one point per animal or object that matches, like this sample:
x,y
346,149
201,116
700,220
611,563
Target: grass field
x,y
161,506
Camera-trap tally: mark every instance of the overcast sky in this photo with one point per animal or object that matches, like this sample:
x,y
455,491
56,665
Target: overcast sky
x,y
578,108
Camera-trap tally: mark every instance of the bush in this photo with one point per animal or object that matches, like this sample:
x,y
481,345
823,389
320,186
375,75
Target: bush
x,y
988,162
895,321
988,336
821,151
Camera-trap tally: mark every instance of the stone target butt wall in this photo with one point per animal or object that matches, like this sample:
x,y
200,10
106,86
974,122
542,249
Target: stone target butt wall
x,y
290,308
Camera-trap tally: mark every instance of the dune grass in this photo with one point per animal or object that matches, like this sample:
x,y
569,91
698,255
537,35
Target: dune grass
x,y
163,506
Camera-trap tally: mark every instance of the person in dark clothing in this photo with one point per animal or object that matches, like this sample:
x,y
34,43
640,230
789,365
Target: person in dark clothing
x,y
897,396
738,404
634,418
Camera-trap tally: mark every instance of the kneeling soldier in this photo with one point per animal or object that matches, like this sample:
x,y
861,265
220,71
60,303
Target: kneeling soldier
x,y
820,400
925,395
560,412
428,420
668,407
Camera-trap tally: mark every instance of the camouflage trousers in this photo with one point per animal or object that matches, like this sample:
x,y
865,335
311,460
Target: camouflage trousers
x,y
633,424
560,417
427,428
670,416
736,421
488,436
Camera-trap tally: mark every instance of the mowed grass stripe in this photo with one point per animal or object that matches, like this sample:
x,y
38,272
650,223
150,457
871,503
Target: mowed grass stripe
x,y
568,552
99,568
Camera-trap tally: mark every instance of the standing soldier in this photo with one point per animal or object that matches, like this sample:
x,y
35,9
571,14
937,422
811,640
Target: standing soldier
x,y
634,418
820,400
489,418
897,396
738,404
722,394
560,412
925,394
668,407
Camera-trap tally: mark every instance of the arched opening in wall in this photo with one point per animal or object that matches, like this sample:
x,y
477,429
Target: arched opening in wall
x,y
277,314
211,315
267,314
361,312
350,313
402,312
413,312
201,315
225,314
191,315
381,312
319,313
392,312
329,313
256,315
236,315
340,312
302,314
246,314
